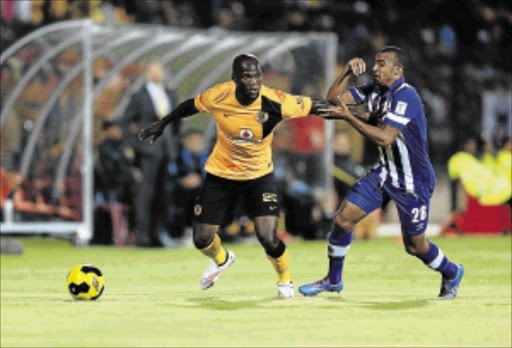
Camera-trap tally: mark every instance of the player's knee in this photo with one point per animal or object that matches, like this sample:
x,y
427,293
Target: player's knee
x,y
201,241
343,222
274,248
416,246
268,239
266,232
415,249
202,237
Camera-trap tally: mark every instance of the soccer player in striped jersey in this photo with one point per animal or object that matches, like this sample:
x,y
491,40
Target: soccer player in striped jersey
x,y
245,113
396,122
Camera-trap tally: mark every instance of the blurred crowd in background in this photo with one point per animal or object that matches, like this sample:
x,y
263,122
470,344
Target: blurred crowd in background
x,y
459,49
460,63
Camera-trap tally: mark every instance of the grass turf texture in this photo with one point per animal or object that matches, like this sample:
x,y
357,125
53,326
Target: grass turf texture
x,y
152,298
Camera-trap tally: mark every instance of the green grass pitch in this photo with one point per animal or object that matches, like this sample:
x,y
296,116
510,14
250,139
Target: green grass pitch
x,y
152,298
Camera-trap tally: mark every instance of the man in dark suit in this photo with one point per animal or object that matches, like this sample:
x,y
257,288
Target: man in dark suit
x,y
149,104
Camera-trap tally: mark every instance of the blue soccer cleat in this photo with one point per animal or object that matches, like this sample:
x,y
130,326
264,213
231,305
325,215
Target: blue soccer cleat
x,y
449,287
313,289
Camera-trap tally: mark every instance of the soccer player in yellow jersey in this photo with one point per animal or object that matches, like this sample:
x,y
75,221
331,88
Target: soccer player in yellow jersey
x,y
245,112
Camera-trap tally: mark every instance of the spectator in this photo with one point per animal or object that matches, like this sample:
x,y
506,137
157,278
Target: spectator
x,y
496,113
29,201
150,103
187,173
70,190
346,172
281,144
302,211
118,177
486,180
116,163
468,153
5,202
487,187
307,146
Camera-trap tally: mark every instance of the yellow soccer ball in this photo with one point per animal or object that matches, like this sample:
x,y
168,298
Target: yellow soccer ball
x,y
85,282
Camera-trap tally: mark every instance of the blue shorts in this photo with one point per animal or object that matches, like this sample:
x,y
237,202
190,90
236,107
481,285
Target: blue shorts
x,y
369,193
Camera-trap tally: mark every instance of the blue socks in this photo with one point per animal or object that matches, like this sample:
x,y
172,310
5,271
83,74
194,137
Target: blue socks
x,y
339,243
336,249
435,259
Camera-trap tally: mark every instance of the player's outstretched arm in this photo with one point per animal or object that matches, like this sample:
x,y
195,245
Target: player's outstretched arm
x,y
339,87
382,135
322,107
320,104
155,129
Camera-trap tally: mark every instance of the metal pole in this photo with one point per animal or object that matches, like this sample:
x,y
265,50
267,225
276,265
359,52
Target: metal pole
x,y
85,235
330,67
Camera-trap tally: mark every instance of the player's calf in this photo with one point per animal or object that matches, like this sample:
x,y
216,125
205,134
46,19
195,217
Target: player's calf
x,y
280,260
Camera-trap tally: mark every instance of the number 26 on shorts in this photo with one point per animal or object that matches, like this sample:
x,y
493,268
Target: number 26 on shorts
x,y
419,214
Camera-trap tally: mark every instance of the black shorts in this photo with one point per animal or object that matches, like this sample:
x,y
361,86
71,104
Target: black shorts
x,y
219,194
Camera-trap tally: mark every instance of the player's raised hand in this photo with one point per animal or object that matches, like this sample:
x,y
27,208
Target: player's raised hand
x,y
357,65
154,130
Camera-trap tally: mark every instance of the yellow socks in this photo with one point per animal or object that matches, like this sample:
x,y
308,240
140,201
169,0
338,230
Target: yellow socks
x,y
282,267
215,251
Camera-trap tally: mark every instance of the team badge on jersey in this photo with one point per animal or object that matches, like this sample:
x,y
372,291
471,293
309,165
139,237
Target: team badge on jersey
x,y
300,102
400,108
262,116
245,133
198,210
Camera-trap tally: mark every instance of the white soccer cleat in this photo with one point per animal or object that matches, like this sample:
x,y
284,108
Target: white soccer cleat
x,y
285,289
212,273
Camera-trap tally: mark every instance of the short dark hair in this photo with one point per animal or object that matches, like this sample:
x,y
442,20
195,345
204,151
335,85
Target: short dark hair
x,y
401,58
237,62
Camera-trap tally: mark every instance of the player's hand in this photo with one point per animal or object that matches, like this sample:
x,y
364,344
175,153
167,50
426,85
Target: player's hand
x,y
340,111
357,66
154,130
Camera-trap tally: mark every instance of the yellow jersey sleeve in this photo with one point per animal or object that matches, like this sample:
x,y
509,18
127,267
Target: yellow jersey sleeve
x,y
204,101
208,100
294,105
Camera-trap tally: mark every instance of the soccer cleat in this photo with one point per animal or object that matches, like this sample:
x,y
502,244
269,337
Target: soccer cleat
x,y
449,287
313,289
212,273
285,289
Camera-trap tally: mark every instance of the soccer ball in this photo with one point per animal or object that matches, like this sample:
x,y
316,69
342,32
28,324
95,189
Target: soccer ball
x,y
85,282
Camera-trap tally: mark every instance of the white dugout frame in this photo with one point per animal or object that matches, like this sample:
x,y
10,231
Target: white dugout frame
x,y
174,43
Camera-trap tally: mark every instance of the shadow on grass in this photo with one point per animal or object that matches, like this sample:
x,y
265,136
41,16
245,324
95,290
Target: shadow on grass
x,y
383,306
219,304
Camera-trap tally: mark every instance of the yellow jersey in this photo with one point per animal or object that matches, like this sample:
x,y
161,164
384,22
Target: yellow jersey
x,y
488,180
244,133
